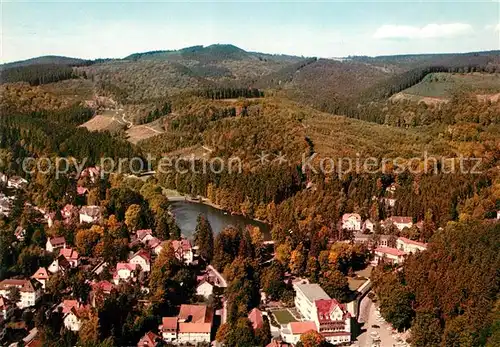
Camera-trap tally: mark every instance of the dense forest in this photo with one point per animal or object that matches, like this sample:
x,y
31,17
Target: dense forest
x,y
449,294
37,74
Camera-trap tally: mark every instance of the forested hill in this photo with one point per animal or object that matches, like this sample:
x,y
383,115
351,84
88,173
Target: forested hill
x,y
44,60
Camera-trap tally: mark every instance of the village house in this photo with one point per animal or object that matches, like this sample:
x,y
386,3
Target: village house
x,y
168,329
90,214
72,314
204,289
278,343
292,331
6,308
42,276
149,339
55,243
5,206
153,243
59,264
368,225
17,182
101,287
389,254
255,317
351,221
142,259
124,272
68,212
183,251
409,246
31,290
401,222
144,235
81,190
92,173
71,256
195,324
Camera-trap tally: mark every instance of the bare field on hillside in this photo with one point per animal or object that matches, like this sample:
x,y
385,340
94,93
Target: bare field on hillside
x,y
137,133
108,120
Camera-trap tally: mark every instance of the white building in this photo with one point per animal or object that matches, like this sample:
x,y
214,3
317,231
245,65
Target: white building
x,y
72,314
42,276
368,225
30,290
401,222
204,289
388,254
351,221
409,246
168,329
322,314
55,243
16,182
124,272
195,324
142,259
183,251
90,214
59,264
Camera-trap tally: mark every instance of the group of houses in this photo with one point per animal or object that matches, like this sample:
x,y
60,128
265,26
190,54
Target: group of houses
x,y
14,182
388,248
85,214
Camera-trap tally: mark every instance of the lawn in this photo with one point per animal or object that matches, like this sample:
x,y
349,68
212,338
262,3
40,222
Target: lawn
x,y
283,317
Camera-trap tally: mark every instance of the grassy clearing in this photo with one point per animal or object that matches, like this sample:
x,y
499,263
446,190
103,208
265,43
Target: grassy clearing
x,y
443,85
283,317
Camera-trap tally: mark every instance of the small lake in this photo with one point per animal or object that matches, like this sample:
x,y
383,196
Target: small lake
x,y
187,212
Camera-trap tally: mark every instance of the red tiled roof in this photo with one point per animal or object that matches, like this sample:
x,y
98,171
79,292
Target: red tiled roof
x,y
195,327
57,241
143,254
41,274
411,242
349,215
148,340
401,220
196,313
302,327
169,323
26,286
391,251
81,190
276,343
143,233
106,286
255,316
184,244
69,253
325,307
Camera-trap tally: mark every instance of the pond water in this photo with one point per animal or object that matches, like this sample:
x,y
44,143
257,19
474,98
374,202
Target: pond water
x,y
187,212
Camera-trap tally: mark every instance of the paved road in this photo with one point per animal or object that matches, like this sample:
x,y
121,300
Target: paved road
x,y
368,315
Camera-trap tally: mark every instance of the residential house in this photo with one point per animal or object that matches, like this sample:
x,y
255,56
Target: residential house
x,y
389,254
351,221
90,214
31,290
5,207
144,235
159,247
204,289
6,307
55,243
42,276
20,233
293,330
409,246
124,272
71,256
92,173
142,259
153,243
168,329
73,312
401,222
278,343
150,339
195,324
59,264
183,251
368,225
256,318
99,291
81,190
68,212
17,182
